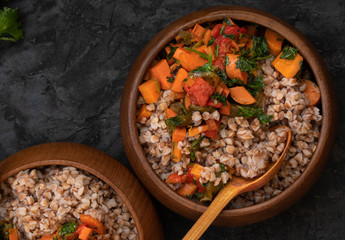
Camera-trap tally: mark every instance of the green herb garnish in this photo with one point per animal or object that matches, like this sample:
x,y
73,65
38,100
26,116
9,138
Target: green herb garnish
x,y
201,54
217,97
254,111
170,79
227,21
226,61
256,85
205,68
246,64
209,43
217,50
194,146
157,85
231,36
260,47
67,228
171,53
222,167
289,53
222,30
10,27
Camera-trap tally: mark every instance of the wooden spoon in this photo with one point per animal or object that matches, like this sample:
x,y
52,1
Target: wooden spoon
x,y
236,186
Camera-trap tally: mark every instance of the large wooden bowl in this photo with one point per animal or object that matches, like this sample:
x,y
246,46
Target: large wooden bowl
x,y
100,165
184,206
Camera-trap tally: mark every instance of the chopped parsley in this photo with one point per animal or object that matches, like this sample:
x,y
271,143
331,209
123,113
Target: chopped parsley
x,y
226,60
209,43
222,30
254,111
222,167
256,85
289,53
246,64
67,228
170,79
260,47
207,67
231,36
10,27
217,97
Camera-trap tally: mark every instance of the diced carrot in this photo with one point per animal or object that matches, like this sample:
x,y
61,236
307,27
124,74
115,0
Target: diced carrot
x,y
211,134
197,130
177,154
175,178
143,112
170,61
179,45
219,89
12,234
187,189
241,95
225,110
174,66
232,170
187,101
243,41
179,134
288,68
161,71
188,83
200,91
191,60
170,113
85,233
226,92
150,91
251,31
179,95
198,32
196,170
234,72
201,48
209,50
207,36
178,52
48,237
177,84
93,223
274,40
212,124
313,92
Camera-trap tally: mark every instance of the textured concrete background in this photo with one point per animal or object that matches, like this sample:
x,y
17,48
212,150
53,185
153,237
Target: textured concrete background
x,y
63,82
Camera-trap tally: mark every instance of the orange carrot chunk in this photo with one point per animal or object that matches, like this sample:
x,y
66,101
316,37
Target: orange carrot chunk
x,y
313,92
187,101
170,113
177,154
85,233
175,178
191,60
241,95
197,130
207,36
48,237
213,128
196,170
274,40
161,71
179,134
143,112
187,189
288,68
177,84
12,234
179,95
225,110
178,52
93,223
198,32
234,72
150,91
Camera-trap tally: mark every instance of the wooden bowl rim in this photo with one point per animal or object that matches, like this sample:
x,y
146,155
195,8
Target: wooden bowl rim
x,y
192,209
64,158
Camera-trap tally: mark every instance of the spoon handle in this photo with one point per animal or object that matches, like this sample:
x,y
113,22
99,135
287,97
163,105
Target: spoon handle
x,y
217,205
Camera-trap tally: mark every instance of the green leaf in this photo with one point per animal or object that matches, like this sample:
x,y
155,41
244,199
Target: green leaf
x,y
227,21
222,30
217,50
222,167
209,60
254,111
201,54
170,79
289,53
178,121
9,25
195,146
217,97
226,61
67,228
246,64
157,85
256,85
209,43
231,36
171,53
260,47
205,68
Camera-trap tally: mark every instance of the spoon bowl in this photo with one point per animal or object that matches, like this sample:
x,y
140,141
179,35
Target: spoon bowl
x,y
236,186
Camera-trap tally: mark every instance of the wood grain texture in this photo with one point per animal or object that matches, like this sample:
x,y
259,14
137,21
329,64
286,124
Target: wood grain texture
x,y
99,164
184,206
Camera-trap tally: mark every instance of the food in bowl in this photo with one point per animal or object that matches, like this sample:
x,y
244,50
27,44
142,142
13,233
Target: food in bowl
x,y
209,100
40,203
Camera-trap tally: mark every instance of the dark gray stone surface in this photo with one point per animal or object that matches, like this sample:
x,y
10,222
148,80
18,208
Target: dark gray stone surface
x,y
63,82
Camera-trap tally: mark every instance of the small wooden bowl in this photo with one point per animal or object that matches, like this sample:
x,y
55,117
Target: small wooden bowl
x,y
100,165
184,206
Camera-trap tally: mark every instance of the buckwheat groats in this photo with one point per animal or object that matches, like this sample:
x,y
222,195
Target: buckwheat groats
x,y
38,202
208,102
